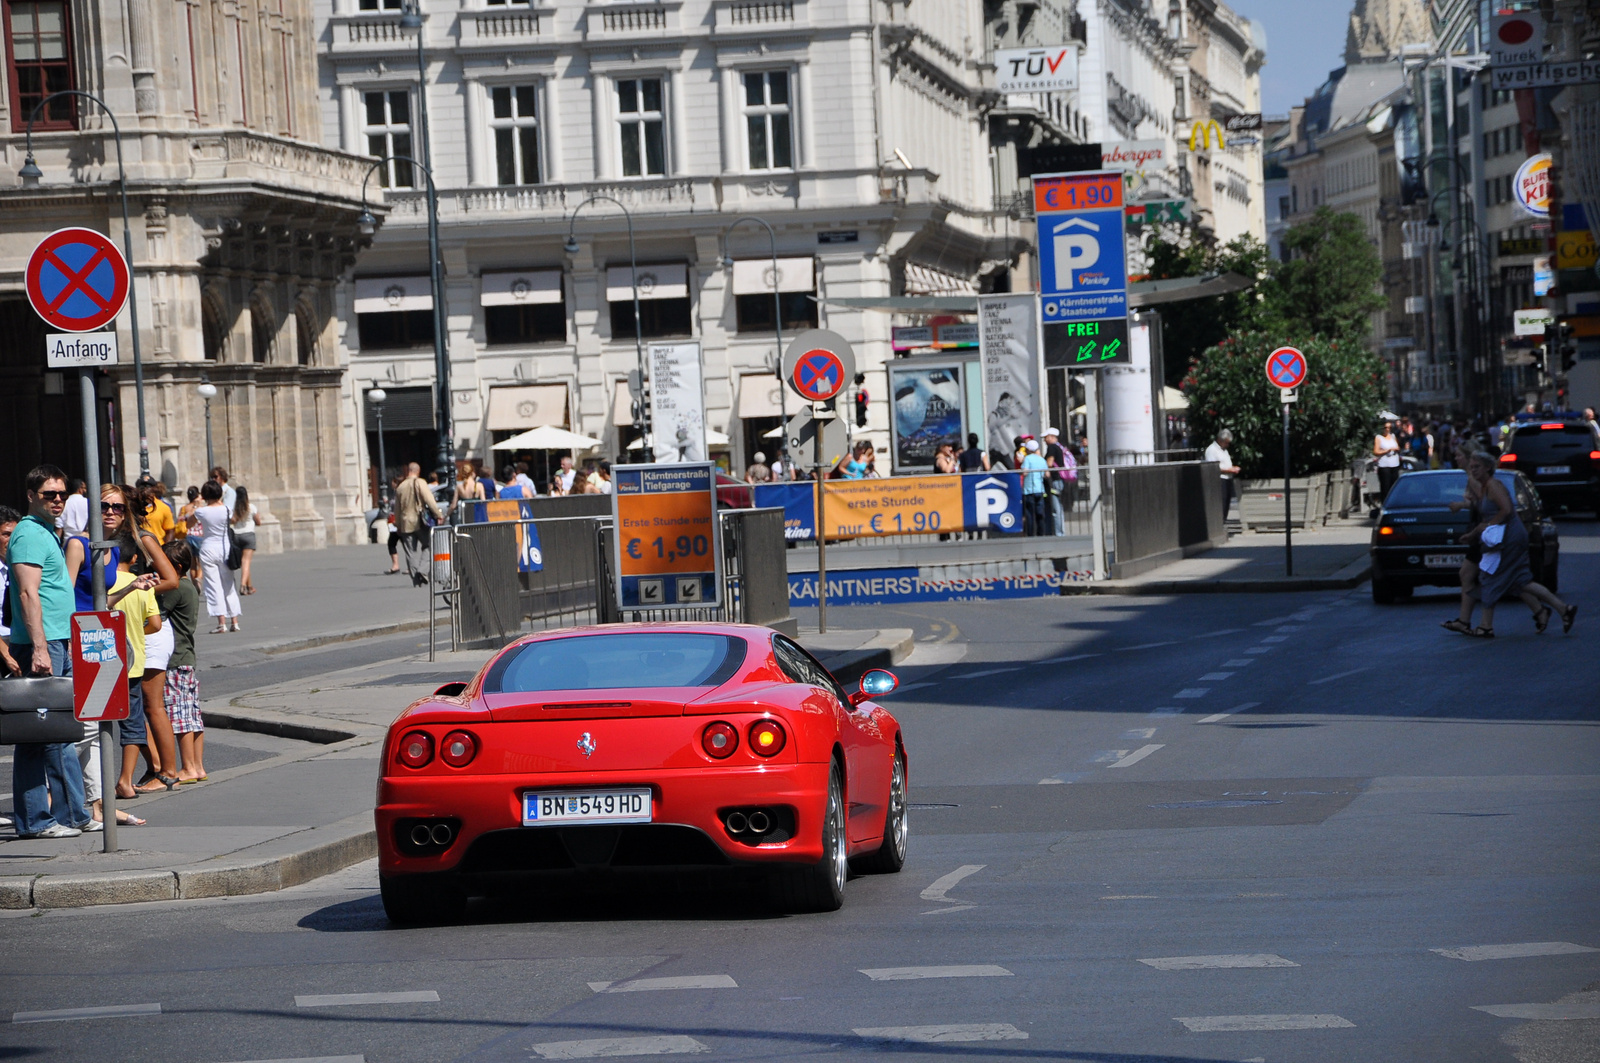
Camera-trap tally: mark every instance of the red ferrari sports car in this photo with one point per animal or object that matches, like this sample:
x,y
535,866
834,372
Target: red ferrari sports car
x,y
641,746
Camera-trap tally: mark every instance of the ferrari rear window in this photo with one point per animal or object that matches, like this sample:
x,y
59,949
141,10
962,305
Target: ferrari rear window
x,y
621,661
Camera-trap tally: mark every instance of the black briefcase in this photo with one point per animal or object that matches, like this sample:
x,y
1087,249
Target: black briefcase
x,y
34,711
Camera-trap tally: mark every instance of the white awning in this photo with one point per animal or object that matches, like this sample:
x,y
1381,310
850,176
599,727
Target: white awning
x,y
760,395
753,276
386,295
518,409
622,406
522,288
925,280
656,281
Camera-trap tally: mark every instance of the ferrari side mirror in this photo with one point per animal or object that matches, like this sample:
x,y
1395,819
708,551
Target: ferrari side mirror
x,y
874,684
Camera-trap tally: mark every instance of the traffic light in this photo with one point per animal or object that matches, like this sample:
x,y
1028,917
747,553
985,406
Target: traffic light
x,y
1566,345
861,401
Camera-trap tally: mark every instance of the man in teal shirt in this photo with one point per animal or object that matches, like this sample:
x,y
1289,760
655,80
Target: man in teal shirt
x,y
1035,513
46,779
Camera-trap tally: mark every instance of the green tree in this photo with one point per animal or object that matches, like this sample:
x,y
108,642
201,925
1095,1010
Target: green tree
x,y
1330,287
1191,326
1331,424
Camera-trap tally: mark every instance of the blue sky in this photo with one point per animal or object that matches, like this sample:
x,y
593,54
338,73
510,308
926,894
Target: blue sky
x,y
1305,40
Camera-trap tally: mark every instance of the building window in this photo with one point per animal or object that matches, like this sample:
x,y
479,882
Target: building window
x,y
388,132
1283,207
664,304
524,307
755,312
640,128
382,5
767,121
515,121
39,62
395,331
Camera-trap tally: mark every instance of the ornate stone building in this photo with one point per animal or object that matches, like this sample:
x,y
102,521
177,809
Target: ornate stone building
x,y
242,227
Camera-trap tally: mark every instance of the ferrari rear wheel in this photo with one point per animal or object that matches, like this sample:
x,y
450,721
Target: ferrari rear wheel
x,y
422,900
891,855
819,887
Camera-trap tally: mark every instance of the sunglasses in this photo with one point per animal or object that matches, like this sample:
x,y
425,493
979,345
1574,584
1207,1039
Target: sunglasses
x,y
113,507
52,496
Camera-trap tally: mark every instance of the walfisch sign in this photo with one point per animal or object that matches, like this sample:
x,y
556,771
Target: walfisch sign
x,y
1036,69
80,350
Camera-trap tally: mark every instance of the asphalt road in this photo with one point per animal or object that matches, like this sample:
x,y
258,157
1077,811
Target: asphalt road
x,y
1214,827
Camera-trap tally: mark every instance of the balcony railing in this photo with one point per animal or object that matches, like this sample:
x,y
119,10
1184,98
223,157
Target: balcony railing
x,y
661,196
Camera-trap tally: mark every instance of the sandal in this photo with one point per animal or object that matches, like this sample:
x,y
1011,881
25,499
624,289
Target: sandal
x,y
1567,617
1457,625
219,631
157,784
1541,619
1482,632
131,821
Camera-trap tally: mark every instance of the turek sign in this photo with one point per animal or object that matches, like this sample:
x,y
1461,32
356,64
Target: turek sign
x,y
1036,69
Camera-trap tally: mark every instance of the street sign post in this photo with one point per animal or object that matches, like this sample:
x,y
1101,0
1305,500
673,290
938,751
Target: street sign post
x,y
77,280
1286,371
1083,278
99,649
78,350
817,364
668,548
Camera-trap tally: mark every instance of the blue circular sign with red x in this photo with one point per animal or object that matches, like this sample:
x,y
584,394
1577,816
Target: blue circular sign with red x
x,y
819,375
77,280
1286,367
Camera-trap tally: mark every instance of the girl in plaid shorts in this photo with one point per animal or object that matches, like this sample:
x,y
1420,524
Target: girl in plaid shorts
x,y
181,607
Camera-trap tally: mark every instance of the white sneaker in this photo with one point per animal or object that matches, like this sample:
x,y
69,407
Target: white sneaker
x,y
56,830
92,826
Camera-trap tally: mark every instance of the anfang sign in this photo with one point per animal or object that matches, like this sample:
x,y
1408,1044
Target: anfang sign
x,y
80,350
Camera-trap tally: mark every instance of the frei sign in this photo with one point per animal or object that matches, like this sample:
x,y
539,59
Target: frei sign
x,y
1053,69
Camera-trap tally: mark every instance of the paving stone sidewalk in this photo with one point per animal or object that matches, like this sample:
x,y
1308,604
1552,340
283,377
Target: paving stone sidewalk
x,y
1333,557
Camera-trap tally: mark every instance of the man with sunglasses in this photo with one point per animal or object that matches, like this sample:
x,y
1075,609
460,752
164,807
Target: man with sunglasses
x,y
41,624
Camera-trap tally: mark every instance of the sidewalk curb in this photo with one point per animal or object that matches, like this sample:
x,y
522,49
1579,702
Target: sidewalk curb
x,y
312,642
263,868
885,651
237,721
1351,575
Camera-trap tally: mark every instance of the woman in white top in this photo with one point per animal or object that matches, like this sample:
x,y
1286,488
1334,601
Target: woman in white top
x,y
244,520
222,597
1386,448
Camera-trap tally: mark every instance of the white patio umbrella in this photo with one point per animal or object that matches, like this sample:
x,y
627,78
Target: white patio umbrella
x,y
548,437
714,438
1173,399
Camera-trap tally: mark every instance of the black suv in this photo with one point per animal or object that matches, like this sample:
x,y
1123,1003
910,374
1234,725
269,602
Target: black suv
x,y
1561,455
1416,541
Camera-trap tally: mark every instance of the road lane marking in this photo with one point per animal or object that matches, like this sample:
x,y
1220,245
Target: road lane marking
x,y
907,974
1215,677
1107,756
1136,756
1585,1009
1238,1023
1147,646
1218,963
1275,638
1271,621
1241,707
945,1034
110,1011
943,884
613,1047
1287,629
1512,952
1238,662
1165,711
1130,897
952,908
313,1059
331,1000
1259,649
1340,675
986,671
1073,657
681,981
1214,634
1140,732
1193,692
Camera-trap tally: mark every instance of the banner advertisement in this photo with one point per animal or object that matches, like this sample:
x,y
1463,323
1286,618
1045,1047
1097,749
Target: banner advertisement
x,y
929,409
677,402
530,552
1013,391
900,505
888,586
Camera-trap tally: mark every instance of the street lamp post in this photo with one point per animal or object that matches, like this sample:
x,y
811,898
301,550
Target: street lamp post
x,y
31,175
377,396
208,391
777,325
441,360
641,416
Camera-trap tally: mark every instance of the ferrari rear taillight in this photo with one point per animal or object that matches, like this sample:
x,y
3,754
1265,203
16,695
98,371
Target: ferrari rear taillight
x,y
767,737
719,740
458,749
416,749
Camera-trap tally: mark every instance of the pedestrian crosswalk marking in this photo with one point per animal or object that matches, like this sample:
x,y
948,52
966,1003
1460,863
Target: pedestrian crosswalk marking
x,y
1511,952
682,981
944,1034
907,974
614,1047
1193,692
1249,1023
1578,1009
1242,707
1137,755
1218,963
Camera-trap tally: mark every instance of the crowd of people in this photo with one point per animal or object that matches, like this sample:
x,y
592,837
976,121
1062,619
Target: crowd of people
x,y
152,574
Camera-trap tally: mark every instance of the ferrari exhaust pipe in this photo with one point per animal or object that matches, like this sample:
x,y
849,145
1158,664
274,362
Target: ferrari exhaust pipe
x,y
420,835
441,834
738,823
760,822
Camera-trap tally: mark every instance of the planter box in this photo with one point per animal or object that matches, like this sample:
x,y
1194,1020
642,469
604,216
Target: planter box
x,y
1312,499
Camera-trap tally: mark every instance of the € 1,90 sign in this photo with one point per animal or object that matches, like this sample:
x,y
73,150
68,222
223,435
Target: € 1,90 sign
x,y
667,553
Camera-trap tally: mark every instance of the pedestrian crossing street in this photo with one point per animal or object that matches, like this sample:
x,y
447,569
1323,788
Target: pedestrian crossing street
x,y
949,1033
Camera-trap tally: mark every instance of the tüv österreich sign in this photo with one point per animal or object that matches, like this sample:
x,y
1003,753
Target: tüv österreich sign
x,y
1052,69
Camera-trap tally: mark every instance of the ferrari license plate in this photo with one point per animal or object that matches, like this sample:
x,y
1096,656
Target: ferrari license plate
x,y
1554,470
1444,560
565,807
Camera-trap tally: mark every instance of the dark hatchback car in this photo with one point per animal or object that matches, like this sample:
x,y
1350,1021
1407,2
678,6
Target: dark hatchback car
x,y
1415,543
1562,458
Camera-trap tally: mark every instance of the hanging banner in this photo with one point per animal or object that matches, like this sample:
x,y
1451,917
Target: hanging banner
x,y
1013,368
900,505
677,402
929,409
